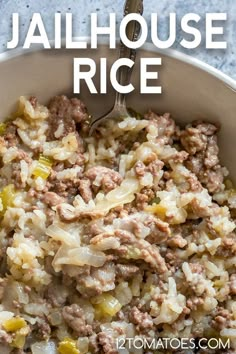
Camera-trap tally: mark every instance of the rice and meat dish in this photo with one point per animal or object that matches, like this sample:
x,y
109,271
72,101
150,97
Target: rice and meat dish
x,y
127,233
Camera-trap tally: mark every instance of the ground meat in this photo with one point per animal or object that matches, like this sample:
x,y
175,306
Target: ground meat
x,y
135,226
52,199
90,214
201,143
145,251
75,319
42,329
195,163
93,343
64,114
145,196
159,230
193,140
110,217
93,229
85,190
68,215
64,188
198,130
194,184
227,247
101,239
196,268
232,284
221,318
33,100
22,155
219,322
180,156
149,192
177,241
140,169
206,128
142,320
194,302
212,151
199,210
107,343
151,255
50,216
141,201
154,167
229,242
108,178
126,271
97,281
5,337
125,236
165,125
32,193
213,179
10,135
16,174
57,294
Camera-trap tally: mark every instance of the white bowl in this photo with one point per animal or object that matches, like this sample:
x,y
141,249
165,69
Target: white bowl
x,y
191,89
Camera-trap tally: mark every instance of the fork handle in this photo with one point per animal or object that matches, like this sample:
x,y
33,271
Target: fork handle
x,y
132,33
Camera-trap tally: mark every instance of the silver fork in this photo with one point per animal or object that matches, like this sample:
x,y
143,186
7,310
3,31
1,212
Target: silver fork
x,y
119,109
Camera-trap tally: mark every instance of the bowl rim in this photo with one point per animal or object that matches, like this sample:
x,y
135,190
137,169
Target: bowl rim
x,y
103,40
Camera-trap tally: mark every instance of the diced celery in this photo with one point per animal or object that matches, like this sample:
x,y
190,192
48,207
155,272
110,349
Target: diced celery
x,y
158,210
18,341
155,200
43,168
68,346
106,304
3,127
228,184
134,113
7,196
219,283
13,324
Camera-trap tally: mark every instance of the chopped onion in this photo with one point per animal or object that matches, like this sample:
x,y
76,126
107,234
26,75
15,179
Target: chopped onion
x,y
14,291
107,244
5,315
36,309
127,187
85,255
123,293
55,318
44,348
83,345
57,233
119,196
78,256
